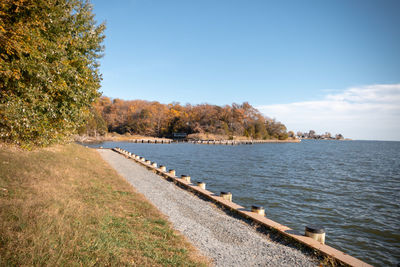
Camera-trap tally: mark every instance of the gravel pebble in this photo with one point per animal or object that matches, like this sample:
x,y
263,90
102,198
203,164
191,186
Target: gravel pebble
x,y
228,241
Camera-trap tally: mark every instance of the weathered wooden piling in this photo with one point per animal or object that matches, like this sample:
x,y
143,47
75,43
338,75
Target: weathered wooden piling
x,y
148,162
154,164
201,185
172,172
316,232
185,177
258,209
226,195
163,168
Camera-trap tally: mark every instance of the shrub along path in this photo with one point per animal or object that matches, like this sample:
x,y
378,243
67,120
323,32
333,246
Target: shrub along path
x,y
226,240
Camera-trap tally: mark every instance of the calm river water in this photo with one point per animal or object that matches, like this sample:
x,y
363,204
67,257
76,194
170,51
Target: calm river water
x,y
352,188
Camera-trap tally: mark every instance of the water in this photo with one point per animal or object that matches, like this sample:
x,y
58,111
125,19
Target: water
x,y
352,188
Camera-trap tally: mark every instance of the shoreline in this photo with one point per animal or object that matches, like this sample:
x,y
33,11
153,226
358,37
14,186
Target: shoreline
x,y
228,240
286,232
150,139
323,139
115,138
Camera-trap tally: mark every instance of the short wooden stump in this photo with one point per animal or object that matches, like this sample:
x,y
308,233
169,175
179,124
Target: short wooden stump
x,y
186,178
226,195
316,232
258,209
201,185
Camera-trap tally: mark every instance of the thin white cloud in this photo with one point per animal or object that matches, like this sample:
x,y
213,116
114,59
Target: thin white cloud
x,y
369,112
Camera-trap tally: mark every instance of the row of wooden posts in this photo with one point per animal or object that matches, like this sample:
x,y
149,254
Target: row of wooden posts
x,y
315,232
208,142
152,141
205,142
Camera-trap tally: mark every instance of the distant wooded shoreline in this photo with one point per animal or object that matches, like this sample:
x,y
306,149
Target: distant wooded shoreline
x,y
140,117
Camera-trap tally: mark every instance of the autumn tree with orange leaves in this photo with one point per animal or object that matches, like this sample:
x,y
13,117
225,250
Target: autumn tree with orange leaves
x,y
160,120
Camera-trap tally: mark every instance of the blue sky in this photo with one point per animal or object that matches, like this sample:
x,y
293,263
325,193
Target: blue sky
x,y
296,56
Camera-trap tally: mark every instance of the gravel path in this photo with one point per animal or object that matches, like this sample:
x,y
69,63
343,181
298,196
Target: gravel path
x,y
226,240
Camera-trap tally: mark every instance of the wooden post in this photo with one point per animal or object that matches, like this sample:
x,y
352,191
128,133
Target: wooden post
x,y
148,162
154,164
201,185
258,209
142,159
172,172
226,195
185,177
163,168
316,232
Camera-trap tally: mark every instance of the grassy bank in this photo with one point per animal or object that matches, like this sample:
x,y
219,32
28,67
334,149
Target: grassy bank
x,y
65,206
197,137
115,137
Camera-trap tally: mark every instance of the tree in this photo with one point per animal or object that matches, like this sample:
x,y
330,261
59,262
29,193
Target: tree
x,y
328,135
95,125
49,73
156,119
339,136
276,129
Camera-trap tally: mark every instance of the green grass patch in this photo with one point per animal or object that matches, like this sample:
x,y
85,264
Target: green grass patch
x,y
65,206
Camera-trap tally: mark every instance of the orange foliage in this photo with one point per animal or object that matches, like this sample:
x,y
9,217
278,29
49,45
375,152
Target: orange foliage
x,y
156,119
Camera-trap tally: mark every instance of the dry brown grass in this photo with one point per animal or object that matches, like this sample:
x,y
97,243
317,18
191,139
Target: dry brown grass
x,y
65,206
114,137
127,137
207,136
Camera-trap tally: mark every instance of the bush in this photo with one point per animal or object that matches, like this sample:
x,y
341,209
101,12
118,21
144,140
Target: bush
x,y
48,69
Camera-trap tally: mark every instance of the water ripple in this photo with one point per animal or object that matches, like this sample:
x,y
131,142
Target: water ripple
x,y
352,188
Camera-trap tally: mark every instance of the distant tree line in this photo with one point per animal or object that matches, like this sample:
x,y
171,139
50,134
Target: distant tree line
x,y
313,135
162,120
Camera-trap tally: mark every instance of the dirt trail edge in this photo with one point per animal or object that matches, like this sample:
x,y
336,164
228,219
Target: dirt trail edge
x,y
226,240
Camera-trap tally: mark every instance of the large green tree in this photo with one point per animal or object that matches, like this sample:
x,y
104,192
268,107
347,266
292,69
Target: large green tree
x,y
49,71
